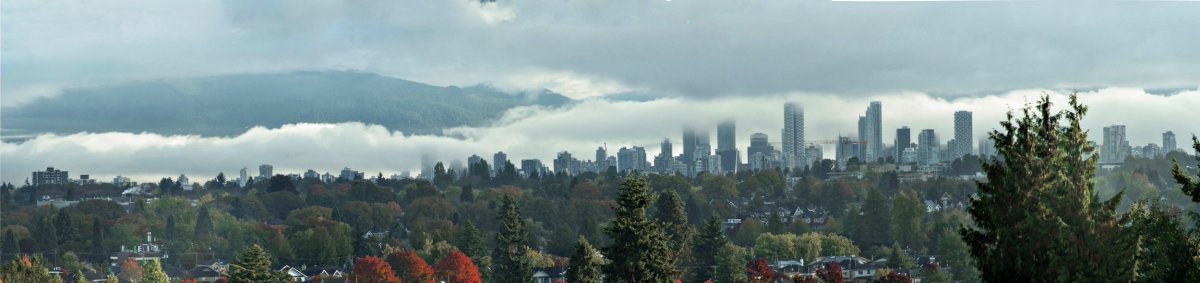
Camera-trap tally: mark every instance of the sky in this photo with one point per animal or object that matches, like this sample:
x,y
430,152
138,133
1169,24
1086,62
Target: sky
x,y
1135,63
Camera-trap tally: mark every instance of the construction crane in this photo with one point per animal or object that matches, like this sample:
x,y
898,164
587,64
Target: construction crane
x,y
834,142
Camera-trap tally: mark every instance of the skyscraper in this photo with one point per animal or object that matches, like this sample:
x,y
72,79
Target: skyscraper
x,y
265,171
531,166
602,158
964,142
727,145
727,134
701,151
928,147
987,148
759,144
499,160
848,148
629,159
243,177
903,141
1168,142
793,135
1115,147
689,144
665,158
873,132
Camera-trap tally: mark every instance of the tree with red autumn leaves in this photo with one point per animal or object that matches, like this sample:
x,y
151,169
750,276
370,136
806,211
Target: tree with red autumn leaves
x,y
410,267
893,277
457,268
831,273
759,272
373,269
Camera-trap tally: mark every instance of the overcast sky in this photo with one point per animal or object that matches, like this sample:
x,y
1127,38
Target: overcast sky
x,y
716,58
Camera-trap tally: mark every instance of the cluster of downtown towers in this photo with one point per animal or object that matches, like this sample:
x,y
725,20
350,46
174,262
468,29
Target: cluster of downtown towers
x,y
697,154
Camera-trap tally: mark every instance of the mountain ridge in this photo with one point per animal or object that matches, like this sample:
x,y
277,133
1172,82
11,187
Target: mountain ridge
x,y
227,105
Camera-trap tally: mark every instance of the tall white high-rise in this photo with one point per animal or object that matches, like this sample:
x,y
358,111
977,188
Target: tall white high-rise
x,y
243,178
793,135
964,142
873,132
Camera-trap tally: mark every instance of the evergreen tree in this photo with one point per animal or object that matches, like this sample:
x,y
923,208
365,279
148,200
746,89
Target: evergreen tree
x,y
1165,252
470,241
705,250
440,176
153,273
63,227
511,256
221,180
640,248
170,228
673,219
10,249
872,228
467,195
907,215
204,225
99,253
25,269
775,223
1038,217
254,266
898,259
1190,187
584,266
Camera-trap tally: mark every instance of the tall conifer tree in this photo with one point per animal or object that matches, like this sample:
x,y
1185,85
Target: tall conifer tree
x,y
1038,217
640,249
511,256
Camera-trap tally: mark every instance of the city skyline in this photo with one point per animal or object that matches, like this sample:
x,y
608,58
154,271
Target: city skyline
x,y
634,93
651,149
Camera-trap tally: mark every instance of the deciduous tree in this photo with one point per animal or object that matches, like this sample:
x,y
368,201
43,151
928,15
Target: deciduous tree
x,y
409,267
372,269
457,267
153,273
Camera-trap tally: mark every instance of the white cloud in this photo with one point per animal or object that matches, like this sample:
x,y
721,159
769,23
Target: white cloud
x,y
535,132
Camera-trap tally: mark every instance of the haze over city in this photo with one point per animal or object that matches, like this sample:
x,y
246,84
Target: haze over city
x,y
702,67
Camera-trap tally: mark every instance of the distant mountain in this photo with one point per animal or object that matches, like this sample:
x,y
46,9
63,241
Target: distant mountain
x,y
229,105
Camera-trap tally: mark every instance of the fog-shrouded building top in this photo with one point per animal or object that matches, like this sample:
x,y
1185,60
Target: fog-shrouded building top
x,y
793,135
266,171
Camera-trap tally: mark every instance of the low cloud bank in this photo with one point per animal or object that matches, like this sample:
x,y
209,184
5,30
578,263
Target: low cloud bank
x,y
537,132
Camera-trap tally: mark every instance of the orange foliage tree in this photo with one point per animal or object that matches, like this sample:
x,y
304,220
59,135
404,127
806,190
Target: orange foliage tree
x,y
832,273
759,271
373,269
410,267
457,267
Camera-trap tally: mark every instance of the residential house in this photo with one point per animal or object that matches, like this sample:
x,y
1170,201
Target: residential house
x,y
549,275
